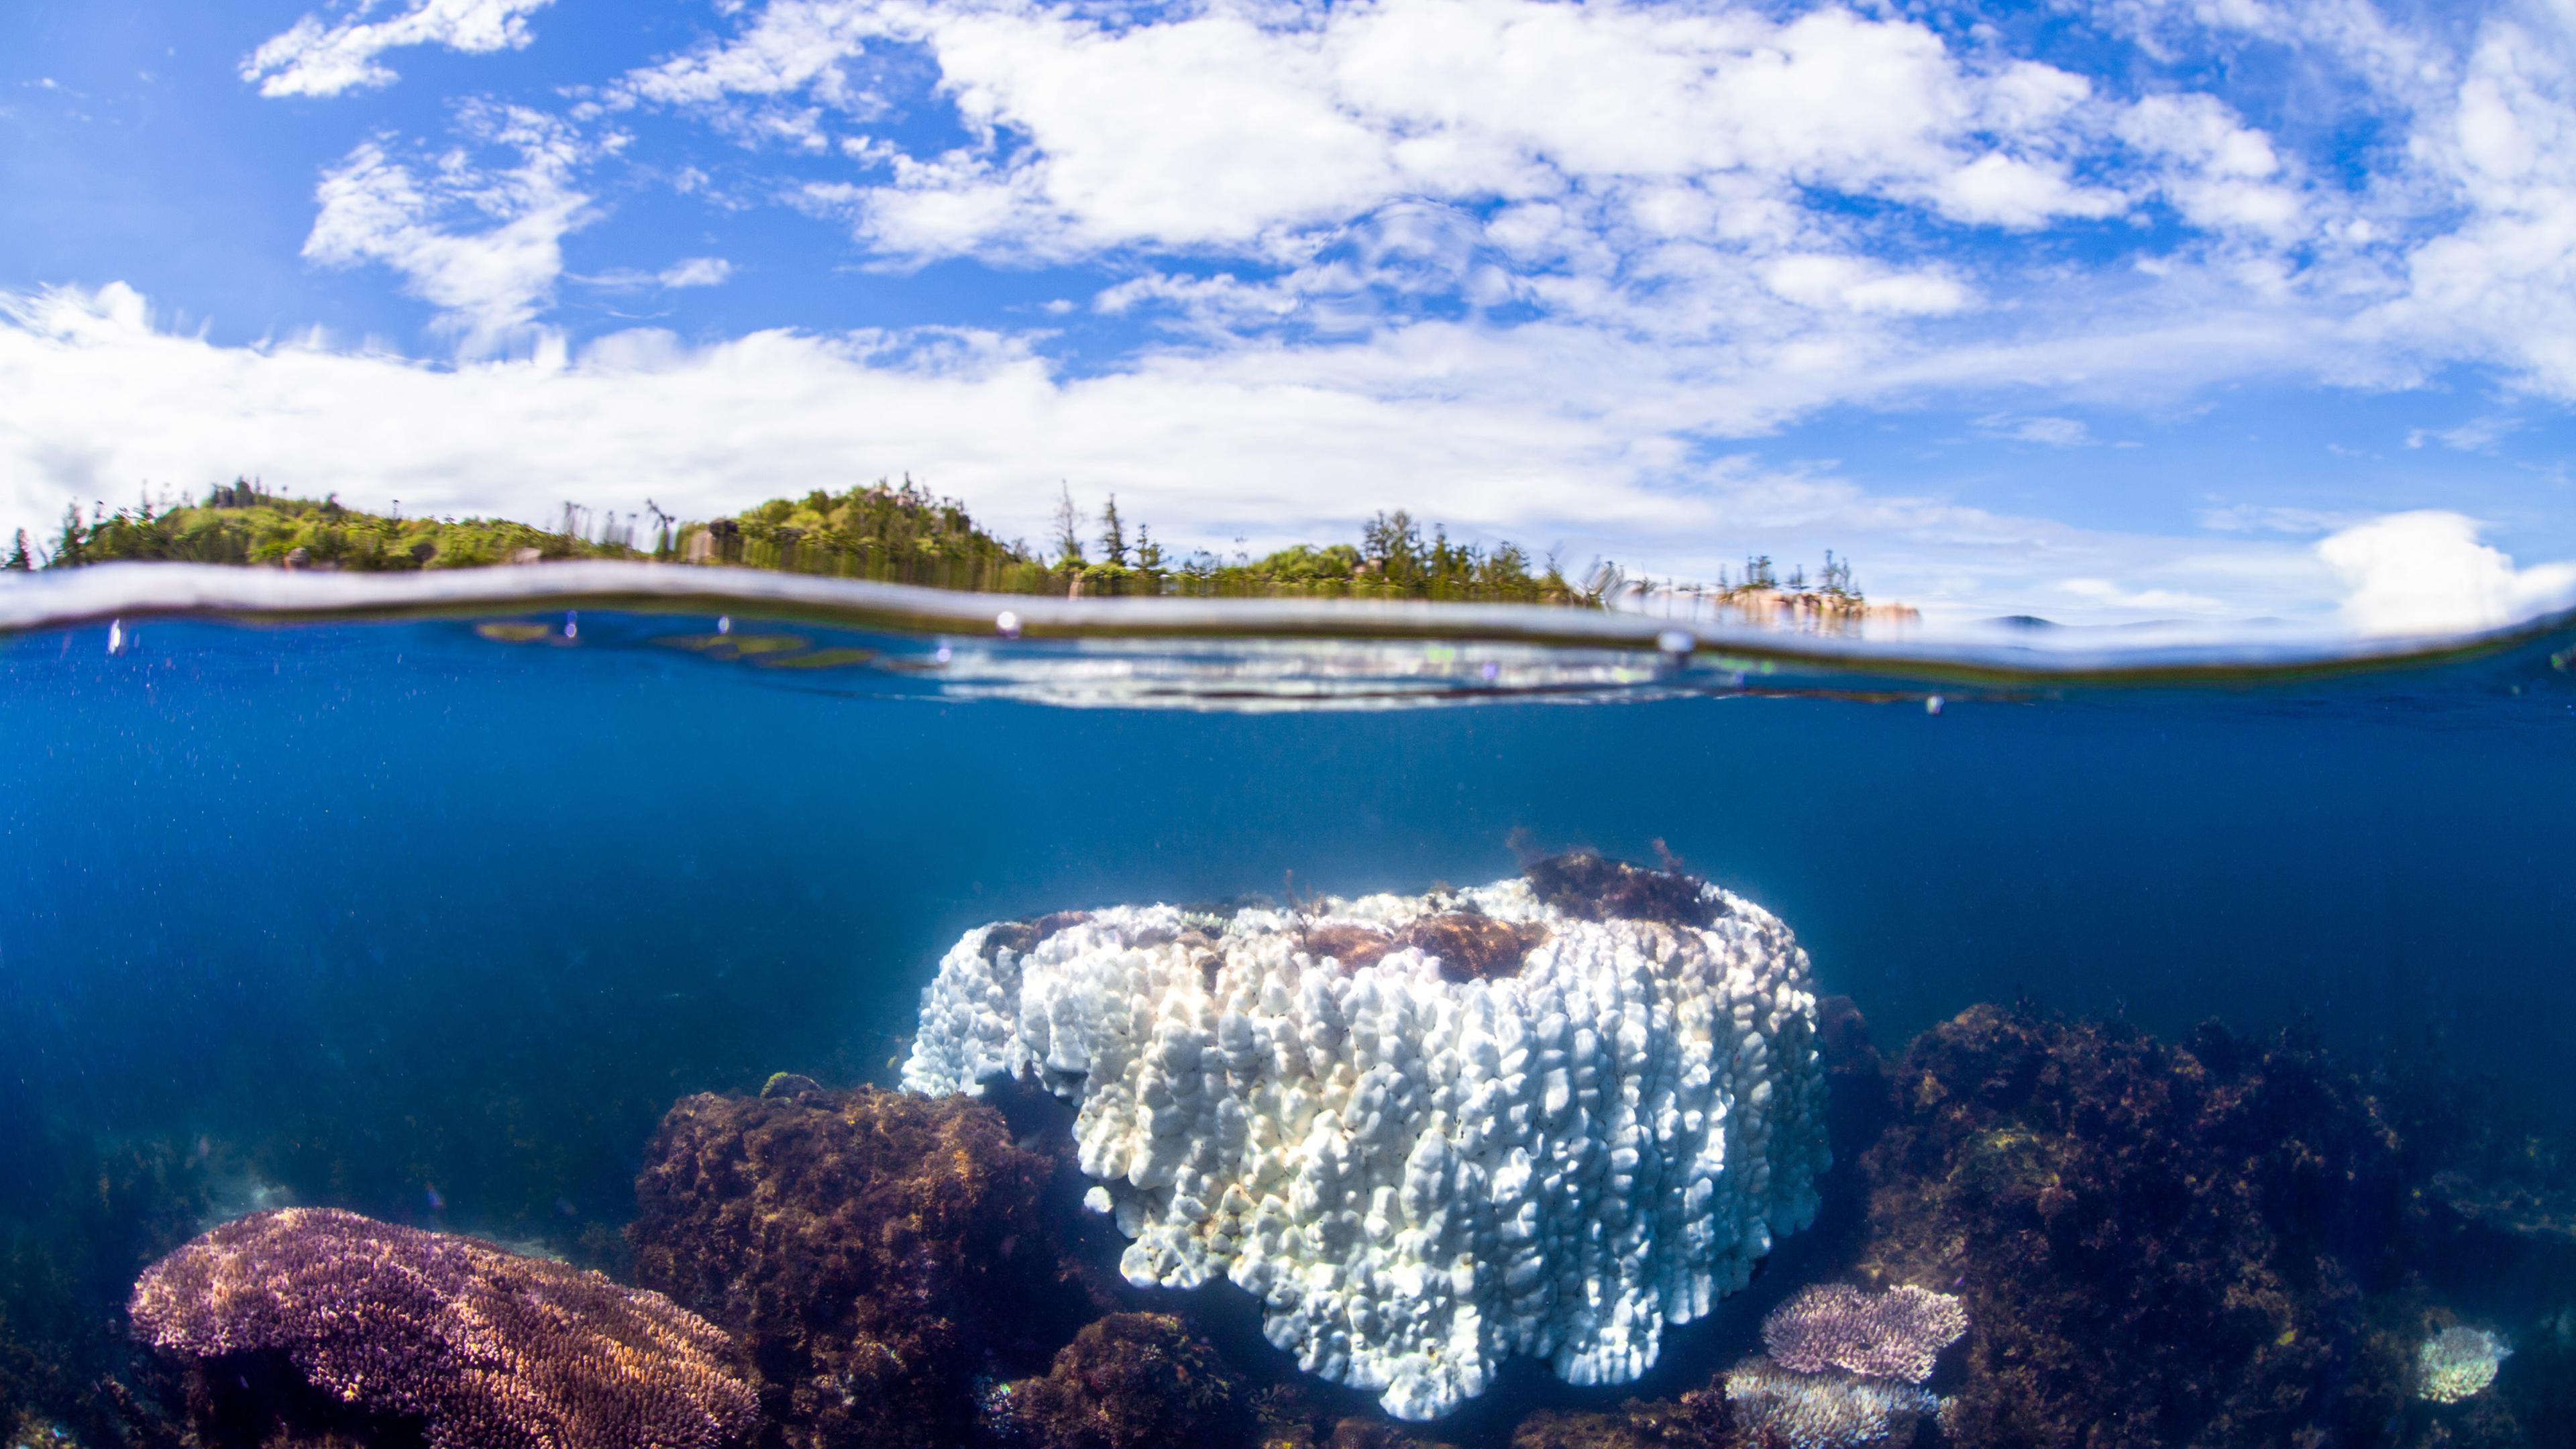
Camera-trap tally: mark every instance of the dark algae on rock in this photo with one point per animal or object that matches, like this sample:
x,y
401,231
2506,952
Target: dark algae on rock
x,y
877,1252
1128,1381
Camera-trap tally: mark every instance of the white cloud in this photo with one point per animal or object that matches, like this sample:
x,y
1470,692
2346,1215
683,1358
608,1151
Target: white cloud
x,y
1239,128
2102,593
314,59
2222,175
697,272
2426,573
491,281
2046,431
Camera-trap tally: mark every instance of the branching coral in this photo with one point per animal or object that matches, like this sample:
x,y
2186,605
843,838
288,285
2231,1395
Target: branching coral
x,y
1898,1334
1820,1411
487,1349
2456,1363
1591,1127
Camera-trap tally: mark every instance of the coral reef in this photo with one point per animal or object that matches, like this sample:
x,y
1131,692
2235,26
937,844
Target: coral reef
x,y
1773,1407
2157,1245
1897,1334
876,1251
1130,1381
484,1349
2456,1363
1420,1169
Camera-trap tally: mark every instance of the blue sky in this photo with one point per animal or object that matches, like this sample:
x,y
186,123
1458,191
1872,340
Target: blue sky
x,y
2106,312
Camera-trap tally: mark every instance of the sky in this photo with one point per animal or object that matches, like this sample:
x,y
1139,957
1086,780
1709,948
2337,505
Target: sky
x,y
2114,311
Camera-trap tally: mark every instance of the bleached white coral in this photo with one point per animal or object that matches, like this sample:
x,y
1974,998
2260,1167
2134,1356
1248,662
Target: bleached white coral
x,y
1426,1131
2456,1363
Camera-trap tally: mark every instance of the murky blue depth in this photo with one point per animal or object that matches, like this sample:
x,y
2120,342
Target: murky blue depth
x,y
435,926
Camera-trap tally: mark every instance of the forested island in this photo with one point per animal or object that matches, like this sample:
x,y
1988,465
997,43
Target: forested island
x,y
896,533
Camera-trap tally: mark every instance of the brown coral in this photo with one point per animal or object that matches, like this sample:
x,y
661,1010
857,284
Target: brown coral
x,y
1131,1381
872,1248
1589,886
1898,1334
485,1349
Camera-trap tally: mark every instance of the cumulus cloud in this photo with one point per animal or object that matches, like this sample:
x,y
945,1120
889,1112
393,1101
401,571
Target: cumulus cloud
x,y
1238,128
483,245
312,58
2425,572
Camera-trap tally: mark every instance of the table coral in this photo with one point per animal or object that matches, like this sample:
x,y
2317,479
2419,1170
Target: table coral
x,y
1898,1334
485,1349
1584,1122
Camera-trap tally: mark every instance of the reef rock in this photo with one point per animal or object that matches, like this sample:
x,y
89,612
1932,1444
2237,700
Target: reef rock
x,y
2157,1244
1425,1131
877,1252
1129,1381
454,1341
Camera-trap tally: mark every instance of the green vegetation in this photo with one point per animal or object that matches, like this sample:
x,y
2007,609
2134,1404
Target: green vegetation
x,y
242,523
891,532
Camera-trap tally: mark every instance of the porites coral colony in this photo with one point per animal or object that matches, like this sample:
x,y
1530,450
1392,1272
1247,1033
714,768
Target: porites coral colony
x,y
1420,1165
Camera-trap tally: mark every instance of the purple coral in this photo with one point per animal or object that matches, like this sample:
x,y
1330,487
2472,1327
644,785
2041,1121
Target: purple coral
x,y
487,1349
1897,1334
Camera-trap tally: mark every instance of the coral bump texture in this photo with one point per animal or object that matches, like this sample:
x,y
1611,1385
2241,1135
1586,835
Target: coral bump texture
x,y
1426,1132
488,1349
1898,1334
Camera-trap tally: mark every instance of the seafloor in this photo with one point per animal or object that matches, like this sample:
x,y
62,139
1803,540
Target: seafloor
x,y
2211,1241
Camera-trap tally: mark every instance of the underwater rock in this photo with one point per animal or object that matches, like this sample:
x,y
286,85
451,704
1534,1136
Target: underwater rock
x,y
2457,1362
2157,1245
1898,1334
1131,1381
443,1337
1774,1407
873,1249
1700,1420
1418,1174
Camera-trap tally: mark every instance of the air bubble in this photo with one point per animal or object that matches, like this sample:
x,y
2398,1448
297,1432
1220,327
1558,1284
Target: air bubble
x,y
1007,624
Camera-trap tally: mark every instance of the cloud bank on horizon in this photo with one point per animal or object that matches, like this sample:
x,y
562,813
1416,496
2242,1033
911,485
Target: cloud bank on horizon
x,y
2101,312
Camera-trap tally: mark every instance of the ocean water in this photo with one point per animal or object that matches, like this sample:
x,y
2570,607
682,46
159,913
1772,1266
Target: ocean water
x,y
434,918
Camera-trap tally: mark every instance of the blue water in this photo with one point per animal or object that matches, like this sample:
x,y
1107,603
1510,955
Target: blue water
x,y
434,926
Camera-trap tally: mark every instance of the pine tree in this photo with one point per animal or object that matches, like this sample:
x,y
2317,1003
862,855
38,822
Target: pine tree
x,y
1113,535
1068,536
19,559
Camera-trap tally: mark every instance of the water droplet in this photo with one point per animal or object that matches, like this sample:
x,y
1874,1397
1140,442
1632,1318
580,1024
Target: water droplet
x,y
1491,671
1007,624
724,623
942,656
1931,704
1676,641
572,623
116,636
